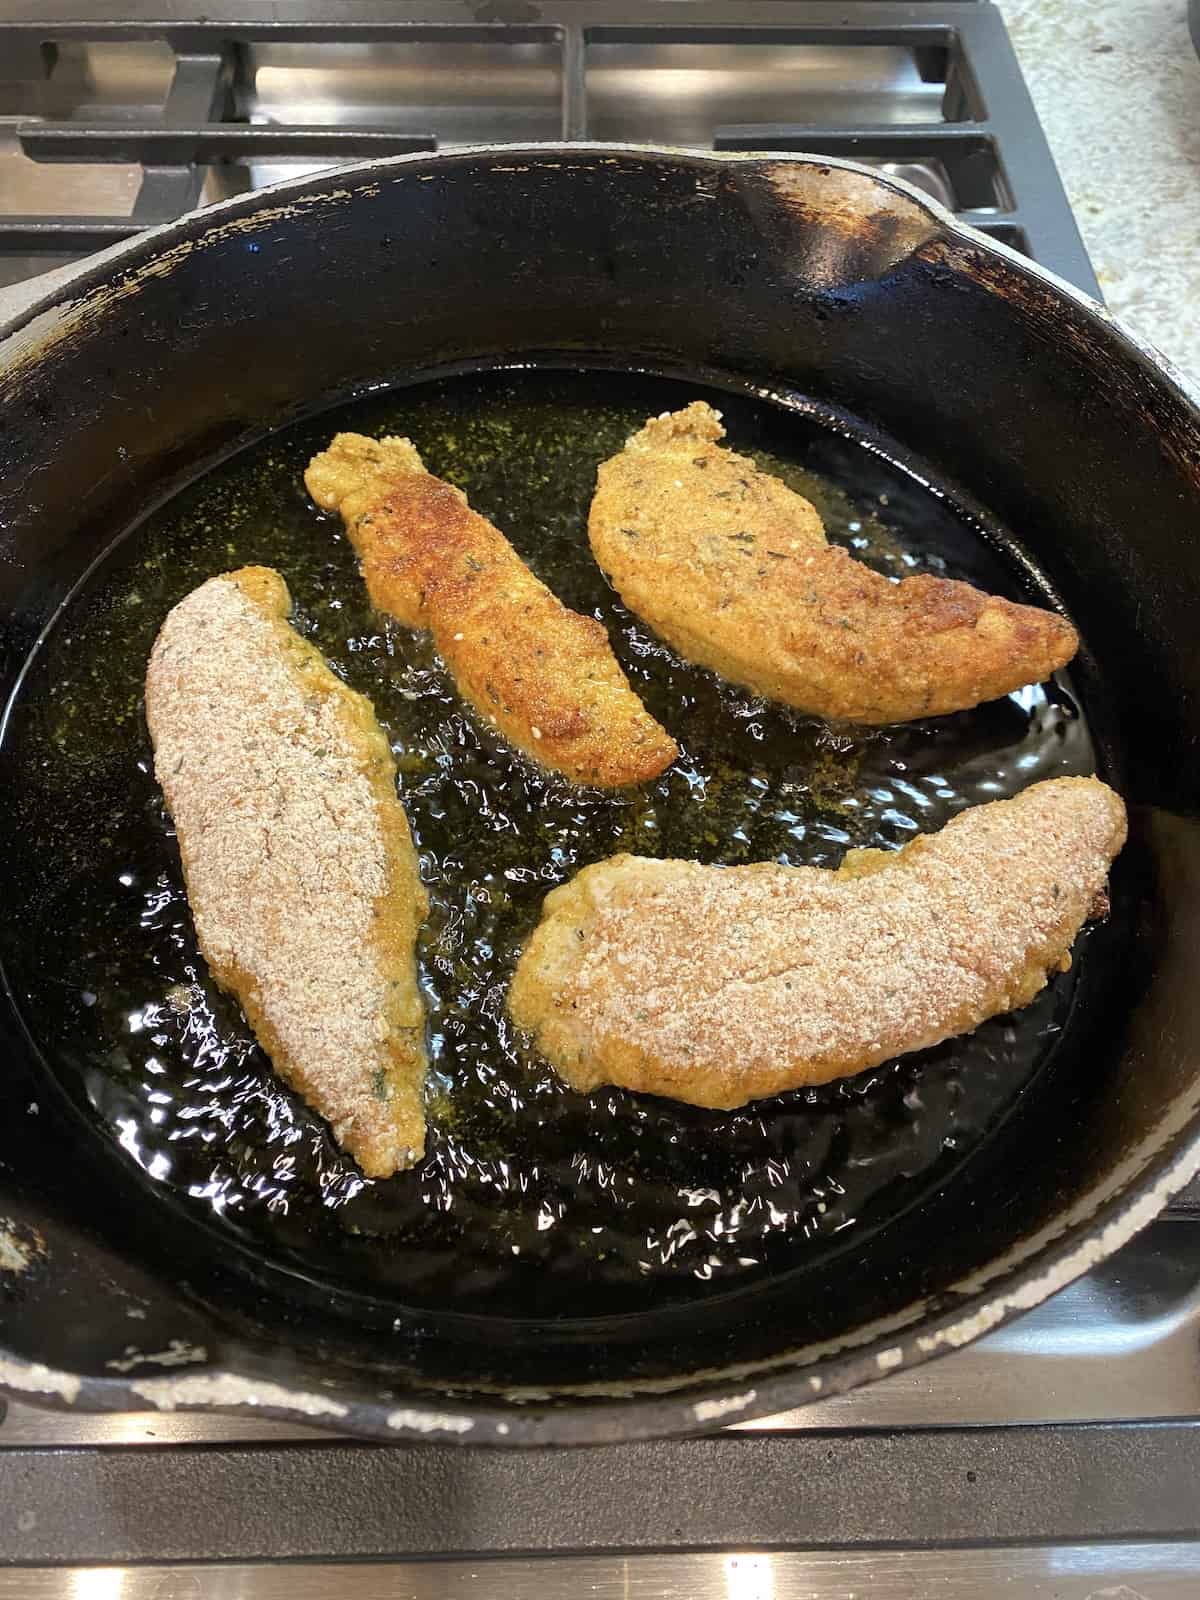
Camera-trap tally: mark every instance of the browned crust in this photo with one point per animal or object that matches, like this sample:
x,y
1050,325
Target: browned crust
x,y
544,676
717,986
732,569
214,728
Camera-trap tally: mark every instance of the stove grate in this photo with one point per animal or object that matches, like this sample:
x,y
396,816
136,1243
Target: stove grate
x,y
931,92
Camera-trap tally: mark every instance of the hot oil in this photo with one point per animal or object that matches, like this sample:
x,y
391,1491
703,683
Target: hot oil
x,y
531,1198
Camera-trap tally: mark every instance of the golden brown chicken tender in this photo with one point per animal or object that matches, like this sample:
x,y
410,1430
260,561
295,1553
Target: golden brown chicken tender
x,y
732,568
719,985
301,874
544,676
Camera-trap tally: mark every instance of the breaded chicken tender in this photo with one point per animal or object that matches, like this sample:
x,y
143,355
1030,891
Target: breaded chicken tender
x,y
544,676
301,874
719,985
733,570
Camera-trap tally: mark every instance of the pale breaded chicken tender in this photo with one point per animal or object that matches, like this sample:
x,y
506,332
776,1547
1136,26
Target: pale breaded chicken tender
x,y
301,874
544,676
720,985
733,570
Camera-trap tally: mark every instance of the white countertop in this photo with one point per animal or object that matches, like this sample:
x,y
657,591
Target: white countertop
x,y
1117,87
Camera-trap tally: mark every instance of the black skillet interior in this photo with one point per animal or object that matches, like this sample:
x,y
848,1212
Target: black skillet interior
x,y
862,1200
532,1200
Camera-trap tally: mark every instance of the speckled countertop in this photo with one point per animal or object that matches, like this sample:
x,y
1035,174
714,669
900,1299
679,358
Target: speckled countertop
x,y
1117,87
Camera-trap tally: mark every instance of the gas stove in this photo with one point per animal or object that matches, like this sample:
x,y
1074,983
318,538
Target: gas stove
x,y
1057,1457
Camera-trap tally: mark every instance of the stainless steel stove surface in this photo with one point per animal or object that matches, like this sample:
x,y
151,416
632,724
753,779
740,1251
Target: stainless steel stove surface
x,y
1058,1457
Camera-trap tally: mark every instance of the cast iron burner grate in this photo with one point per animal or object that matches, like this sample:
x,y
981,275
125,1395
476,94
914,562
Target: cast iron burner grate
x,y
109,125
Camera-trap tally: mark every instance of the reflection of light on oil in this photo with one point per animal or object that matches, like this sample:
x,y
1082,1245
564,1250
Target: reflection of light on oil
x,y
749,1578
101,1583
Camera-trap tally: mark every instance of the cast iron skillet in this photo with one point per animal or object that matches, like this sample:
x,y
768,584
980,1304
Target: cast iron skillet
x,y
128,375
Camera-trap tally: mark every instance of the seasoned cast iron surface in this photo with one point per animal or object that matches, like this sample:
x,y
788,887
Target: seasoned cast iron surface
x,y
532,1199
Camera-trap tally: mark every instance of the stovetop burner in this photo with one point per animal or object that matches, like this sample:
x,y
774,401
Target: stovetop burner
x,y
1058,1456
